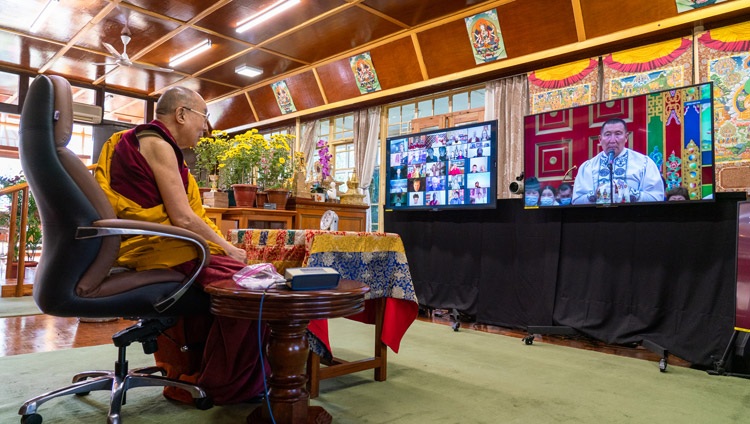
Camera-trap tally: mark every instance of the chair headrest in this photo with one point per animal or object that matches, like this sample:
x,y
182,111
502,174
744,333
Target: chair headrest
x,y
63,127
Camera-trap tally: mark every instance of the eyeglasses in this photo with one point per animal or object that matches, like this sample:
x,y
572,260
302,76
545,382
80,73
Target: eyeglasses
x,y
204,115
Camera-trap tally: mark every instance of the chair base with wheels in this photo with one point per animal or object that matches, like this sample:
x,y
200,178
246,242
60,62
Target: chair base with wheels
x,y
121,379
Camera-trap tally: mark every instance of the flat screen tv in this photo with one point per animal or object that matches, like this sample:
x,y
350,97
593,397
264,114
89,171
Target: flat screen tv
x,y
452,168
651,148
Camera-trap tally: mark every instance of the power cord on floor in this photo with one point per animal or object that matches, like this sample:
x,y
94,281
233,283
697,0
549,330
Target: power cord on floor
x,y
260,349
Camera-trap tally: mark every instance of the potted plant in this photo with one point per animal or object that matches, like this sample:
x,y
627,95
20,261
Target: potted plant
x,y
33,240
207,154
239,164
275,169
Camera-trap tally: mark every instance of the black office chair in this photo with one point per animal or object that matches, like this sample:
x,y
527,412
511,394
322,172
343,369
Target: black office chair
x,y
80,242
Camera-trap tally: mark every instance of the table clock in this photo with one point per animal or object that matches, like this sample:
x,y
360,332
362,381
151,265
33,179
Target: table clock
x,y
329,221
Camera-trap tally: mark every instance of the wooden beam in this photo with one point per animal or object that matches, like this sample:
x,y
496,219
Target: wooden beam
x,y
578,18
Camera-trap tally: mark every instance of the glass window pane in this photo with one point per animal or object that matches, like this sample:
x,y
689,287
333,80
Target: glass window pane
x,y
477,98
124,109
324,128
441,106
460,102
425,108
9,88
408,112
394,115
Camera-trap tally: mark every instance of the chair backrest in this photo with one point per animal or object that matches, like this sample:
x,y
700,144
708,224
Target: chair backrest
x,y
72,272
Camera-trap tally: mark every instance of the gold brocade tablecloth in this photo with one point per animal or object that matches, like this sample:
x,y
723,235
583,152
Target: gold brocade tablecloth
x,y
377,259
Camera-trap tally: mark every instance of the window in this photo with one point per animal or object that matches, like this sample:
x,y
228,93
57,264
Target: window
x,y
124,109
435,111
339,132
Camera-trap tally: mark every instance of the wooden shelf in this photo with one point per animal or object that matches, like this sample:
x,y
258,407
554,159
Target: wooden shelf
x,y
308,213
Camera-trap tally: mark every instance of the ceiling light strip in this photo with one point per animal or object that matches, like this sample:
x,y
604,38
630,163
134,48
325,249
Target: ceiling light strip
x,y
265,14
189,54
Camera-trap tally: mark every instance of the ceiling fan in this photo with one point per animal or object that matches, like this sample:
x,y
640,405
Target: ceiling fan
x,y
122,59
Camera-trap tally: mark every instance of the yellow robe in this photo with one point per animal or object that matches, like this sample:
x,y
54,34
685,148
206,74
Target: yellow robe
x,y
150,252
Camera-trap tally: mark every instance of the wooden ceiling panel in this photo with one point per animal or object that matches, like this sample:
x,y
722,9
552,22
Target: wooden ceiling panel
x,y
446,49
221,48
179,10
420,11
320,34
208,89
341,32
396,63
144,29
546,24
264,103
79,63
305,91
225,20
27,53
19,15
139,80
231,112
338,81
601,18
270,65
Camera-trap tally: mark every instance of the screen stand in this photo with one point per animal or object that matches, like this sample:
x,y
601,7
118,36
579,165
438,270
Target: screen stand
x,y
720,366
561,330
550,330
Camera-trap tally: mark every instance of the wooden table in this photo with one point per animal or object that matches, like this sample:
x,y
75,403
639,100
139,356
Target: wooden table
x,y
245,215
287,314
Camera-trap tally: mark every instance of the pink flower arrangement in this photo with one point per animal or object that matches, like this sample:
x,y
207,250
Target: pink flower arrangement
x,y
324,156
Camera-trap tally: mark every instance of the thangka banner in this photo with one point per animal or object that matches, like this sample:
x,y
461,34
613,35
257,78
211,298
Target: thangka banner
x,y
724,55
564,86
688,5
283,97
485,37
364,73
647,69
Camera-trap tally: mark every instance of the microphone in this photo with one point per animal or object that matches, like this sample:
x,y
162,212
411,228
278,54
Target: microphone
x,y
567,173
610,157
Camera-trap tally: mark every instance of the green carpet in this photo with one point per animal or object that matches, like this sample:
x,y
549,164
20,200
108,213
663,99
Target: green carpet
x,y
440,376
18,306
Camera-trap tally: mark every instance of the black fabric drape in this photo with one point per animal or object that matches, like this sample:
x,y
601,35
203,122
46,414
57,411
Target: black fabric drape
x,y
621,275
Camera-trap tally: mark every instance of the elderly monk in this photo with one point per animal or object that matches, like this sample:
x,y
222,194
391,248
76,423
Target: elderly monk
x,y
145,177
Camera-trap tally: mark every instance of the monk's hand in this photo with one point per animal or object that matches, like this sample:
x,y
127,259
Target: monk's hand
x,y
237,253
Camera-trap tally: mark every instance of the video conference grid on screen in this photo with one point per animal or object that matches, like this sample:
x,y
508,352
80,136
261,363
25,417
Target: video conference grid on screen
x,y
451,168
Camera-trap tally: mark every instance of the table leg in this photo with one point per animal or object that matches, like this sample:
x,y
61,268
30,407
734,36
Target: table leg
x,y
287,355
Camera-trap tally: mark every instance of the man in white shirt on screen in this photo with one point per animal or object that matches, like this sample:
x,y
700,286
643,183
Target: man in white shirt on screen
x,y
636,176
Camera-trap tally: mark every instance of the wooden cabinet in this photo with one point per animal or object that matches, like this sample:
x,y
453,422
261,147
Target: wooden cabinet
x,y
309,212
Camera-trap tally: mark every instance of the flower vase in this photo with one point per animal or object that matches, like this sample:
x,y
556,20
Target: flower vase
x,y
244,195
278,196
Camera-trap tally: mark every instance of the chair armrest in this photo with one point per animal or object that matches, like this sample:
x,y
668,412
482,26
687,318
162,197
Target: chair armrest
x,y
129,227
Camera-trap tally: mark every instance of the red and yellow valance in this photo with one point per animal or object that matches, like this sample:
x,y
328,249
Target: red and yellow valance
x,y
647,58
563,75
735,38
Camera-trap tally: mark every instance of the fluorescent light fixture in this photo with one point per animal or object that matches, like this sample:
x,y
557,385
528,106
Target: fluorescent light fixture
x,y
265,14
189,54
39,18
247,71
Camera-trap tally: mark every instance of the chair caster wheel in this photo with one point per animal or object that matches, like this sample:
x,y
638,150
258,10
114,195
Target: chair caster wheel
x,y
31,419
529,340
456,326
663,365
203,403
